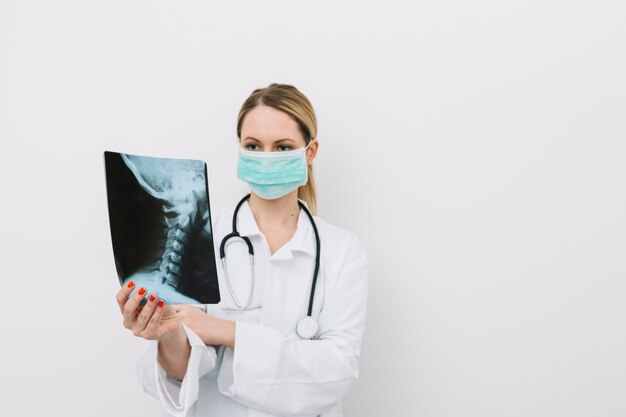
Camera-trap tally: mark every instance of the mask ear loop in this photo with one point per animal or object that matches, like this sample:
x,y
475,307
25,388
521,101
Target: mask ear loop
x,y
306,148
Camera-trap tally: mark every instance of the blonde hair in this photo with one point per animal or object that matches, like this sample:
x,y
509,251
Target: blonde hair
x,y
290,100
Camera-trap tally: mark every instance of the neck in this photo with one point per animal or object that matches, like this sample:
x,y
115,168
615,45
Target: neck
x,y
282,211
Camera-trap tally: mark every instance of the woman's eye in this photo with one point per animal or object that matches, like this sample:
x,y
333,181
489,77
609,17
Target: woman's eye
x,y
284,147
252,147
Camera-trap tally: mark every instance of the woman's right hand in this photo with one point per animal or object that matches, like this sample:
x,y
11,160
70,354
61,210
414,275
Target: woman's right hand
x,y
156,320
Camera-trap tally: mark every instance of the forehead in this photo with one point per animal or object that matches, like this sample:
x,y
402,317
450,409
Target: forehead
x,y
267,123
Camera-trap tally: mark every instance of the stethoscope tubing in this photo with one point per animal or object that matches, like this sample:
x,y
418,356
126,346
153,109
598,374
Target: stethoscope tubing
x,y
236,234
317,257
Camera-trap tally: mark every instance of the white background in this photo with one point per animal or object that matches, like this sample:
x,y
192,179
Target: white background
x,y
476,148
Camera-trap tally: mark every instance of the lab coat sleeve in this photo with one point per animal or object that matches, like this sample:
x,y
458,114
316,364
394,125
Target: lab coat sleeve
x,y
176,397
288,376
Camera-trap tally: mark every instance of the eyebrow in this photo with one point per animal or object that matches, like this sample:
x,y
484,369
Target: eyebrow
x,y
276,141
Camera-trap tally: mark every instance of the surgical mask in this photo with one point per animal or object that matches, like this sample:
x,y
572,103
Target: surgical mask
x,y
272,175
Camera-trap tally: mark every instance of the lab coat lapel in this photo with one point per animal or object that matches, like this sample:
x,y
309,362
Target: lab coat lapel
x,y
287,289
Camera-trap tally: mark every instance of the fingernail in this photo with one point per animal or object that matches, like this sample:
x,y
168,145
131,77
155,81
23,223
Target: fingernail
x,y
161,303
131,284
142,291
152,297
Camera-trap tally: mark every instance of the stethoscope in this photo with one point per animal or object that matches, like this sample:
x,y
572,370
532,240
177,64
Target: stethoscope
x,y
307,326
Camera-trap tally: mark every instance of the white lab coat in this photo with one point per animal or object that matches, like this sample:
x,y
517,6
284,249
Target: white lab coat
x,y
272,372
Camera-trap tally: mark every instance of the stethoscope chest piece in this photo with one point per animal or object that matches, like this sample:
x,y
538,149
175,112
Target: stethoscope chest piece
x,y
307,327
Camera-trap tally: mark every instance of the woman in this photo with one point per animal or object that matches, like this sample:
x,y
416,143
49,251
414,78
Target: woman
x,y
253,354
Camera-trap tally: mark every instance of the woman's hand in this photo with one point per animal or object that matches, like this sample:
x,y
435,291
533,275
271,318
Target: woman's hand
x,y
154,321
212,330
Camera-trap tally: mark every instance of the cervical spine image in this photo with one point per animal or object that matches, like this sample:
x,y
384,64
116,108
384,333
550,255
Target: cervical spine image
x,y
178,228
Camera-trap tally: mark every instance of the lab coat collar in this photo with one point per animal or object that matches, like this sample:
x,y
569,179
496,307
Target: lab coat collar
x,y
303,239
246,224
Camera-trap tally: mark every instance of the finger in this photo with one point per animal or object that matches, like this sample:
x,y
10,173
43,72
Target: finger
x,y
183,312
155,327
180,313
145,315
130,311
122,295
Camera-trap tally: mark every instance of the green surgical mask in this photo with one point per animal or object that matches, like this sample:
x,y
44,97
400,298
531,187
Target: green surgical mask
x,y
272,175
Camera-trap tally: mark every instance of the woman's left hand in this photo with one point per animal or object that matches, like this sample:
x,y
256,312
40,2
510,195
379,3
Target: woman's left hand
x,y
212,330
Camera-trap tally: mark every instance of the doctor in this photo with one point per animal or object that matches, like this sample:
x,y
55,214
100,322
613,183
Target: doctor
x,y
286,336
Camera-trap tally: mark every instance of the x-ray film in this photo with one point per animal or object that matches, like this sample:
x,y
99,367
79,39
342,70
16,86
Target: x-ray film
x,y
161,226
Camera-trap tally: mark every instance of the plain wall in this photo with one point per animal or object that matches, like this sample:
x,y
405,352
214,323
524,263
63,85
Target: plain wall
x,y
476,148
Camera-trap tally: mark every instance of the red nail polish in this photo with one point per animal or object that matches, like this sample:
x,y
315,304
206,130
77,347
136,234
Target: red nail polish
x,y
161,303
131,284
152,297
142,291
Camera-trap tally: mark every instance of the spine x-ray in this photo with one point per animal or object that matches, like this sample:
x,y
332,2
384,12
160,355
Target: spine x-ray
x,y
161,226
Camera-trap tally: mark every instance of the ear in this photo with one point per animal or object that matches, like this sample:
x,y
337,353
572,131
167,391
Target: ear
x,y
312,151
